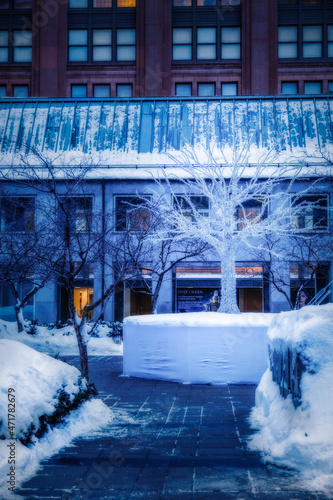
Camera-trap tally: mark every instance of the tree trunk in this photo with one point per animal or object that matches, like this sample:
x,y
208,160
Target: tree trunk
x,y
82,350
154,297
228,281
19,318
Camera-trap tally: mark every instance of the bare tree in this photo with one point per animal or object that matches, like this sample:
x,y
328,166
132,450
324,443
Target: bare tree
x,y
246,203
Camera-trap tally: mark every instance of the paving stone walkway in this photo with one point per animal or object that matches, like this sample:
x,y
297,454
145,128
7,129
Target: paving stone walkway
x,y
167,441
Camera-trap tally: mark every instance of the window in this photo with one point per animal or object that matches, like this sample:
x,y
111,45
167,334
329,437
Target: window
x,y
126,3
102,45
78,45
289,87
312,87
250,212
79,90
192,207
124,90
18,214
206,89
230,43
330,87
102,4
287,42
101,91
330,41
312,41
182,44
183,89
22,4
131,214
206,3
182,3
78,4
310,213
229,88
206,43
3,91
20,91
126,45
77,213
4,46
22,46
4,4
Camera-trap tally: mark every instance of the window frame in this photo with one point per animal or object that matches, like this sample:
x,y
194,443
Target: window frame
x,y
188,212
307,213
121,221
259,203
77,220
9,217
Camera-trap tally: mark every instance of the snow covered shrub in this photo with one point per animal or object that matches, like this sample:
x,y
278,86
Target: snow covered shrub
x,y
31,327
295,429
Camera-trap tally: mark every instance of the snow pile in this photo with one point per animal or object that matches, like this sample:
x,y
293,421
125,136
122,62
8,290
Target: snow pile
x,y
203,347
62,341
32,385
302,437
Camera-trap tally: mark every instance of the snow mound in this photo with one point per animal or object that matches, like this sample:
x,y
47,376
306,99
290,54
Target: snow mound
x,y
302,437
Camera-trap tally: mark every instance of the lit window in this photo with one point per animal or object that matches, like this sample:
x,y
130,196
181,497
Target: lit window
x,y
183,89
22,4
230,43
249,213
182,3
131,214
78,45
20,90
289,88
78,4
22,46
182,44
206,43
126,3
330,41
310,213
312,87
79,91
3,91
124,90
126,45
102,4
229,88
312,41
76,213
102,50
101,91
287,38
3,46
206,89
17,214
206,3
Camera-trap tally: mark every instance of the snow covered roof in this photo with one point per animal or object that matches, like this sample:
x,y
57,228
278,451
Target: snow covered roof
x,y
146,131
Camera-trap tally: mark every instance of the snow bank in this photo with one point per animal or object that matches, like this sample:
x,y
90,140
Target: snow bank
x,y
302,437
30,385
203,347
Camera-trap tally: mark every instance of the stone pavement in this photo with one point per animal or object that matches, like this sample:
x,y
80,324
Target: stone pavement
x,y
167,441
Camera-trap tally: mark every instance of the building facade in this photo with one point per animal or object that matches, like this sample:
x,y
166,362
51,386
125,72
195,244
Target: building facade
x,y
123,84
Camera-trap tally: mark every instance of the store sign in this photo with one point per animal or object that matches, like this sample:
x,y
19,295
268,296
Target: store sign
x,y
195,299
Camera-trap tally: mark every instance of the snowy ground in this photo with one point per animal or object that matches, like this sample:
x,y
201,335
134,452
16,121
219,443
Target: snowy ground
x,y
300,438
29,388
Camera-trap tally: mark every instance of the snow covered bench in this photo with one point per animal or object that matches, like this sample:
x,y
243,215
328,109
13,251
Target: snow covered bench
x,y
201,348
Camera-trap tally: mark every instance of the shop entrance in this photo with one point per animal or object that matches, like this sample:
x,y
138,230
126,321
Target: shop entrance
x,y
137,302
83,297
250,299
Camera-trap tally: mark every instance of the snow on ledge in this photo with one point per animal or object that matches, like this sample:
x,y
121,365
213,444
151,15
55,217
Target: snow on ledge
x,y
203,348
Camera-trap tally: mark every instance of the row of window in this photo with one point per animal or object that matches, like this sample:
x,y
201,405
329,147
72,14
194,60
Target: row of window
x,y
202,43
18,214
16,46
73,4
312,40
102,91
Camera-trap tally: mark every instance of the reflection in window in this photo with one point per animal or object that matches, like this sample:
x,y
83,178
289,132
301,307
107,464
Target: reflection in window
x,y
206,3
330,41
77,213
183,89
330,87
229,88
20,91
206,89
79,91
131,214
124,90
182,3
22,42
289,87
78,4
102,4
310,213
78,45
3,91
206,43
312,41
102,91
102,50
182,44
287,42
230,43
3,46
18,214
126,45
192,207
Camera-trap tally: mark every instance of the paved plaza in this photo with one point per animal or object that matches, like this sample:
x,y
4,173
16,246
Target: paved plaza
x,y
167,441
